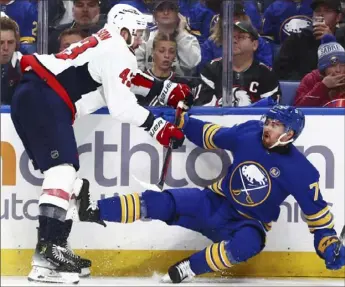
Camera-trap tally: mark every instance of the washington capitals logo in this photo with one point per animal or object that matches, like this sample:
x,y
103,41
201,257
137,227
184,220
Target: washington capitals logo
x,y
250,184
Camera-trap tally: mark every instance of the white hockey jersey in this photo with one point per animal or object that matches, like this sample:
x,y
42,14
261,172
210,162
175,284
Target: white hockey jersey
x,y
94,72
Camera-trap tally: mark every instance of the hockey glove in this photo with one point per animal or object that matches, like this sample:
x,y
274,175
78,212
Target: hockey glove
x,y
333,261
184,118
173,93
164,132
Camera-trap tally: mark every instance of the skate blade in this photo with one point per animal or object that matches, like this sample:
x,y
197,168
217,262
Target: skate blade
x,y
85,272
44,275
166,279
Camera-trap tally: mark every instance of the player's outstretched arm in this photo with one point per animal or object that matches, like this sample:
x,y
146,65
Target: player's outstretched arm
x,y
208,135
319,218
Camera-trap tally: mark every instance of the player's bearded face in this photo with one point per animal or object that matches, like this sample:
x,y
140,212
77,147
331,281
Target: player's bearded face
x,y
272,130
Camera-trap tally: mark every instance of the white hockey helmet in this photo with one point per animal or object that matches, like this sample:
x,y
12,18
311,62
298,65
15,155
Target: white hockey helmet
x,y
126,16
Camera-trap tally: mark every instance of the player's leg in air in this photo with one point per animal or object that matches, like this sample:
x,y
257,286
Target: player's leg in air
x,y
43,122
236,239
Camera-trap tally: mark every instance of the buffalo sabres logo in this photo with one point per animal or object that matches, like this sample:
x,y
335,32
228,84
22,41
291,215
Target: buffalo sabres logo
x,y
274,172
334,60
294,25
250,184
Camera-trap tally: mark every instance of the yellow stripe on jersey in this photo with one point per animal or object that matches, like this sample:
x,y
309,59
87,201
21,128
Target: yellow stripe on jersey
x,y
209,132
326,241
216,187
324,222
28,40
318,214
216,257
123,201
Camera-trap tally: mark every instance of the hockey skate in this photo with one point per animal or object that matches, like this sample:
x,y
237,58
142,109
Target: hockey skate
x,y
53,264
83,263
87,209
179,272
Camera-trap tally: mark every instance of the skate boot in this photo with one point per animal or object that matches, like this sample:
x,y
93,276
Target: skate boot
x,y
83,263
88,209
53,264
179,272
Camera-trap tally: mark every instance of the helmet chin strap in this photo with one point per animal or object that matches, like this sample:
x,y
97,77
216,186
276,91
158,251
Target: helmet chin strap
x,y
278,142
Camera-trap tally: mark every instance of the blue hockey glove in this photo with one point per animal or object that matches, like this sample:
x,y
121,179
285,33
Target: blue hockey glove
x,y
333,261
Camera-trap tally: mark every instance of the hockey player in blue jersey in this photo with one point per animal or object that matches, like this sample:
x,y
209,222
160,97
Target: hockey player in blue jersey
x,y
236,211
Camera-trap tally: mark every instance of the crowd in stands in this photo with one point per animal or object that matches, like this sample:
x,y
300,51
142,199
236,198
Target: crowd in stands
x,y
274,42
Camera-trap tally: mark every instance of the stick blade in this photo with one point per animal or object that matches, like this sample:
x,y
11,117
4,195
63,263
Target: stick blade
x,y
147,186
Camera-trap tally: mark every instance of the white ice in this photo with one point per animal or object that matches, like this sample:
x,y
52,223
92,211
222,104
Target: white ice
x,y
154,281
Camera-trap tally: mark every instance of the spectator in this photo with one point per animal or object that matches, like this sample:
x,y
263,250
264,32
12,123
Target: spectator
x,y
10,72
168,19
164,50
298,54
200,19
212,48
86,15
24,13
70,36
252,80
285,17
327,83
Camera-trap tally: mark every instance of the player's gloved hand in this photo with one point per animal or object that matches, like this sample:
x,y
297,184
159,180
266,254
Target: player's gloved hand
x,y
164,131
172,93
333,261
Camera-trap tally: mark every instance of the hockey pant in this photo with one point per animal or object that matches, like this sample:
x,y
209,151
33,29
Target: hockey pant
x,y
44,124
236,239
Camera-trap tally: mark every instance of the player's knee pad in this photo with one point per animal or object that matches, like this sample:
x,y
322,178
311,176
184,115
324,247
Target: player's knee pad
x,y
245,243
158,205
57,189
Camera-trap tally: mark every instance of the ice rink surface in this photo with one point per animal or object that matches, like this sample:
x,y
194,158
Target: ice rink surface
x,y
155,281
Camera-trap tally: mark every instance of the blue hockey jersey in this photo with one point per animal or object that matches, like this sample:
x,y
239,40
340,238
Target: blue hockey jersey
x,y
285,17
25,14
258,181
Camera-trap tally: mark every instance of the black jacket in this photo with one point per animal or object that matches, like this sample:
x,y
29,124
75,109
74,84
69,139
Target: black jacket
x,y
298,55
257,81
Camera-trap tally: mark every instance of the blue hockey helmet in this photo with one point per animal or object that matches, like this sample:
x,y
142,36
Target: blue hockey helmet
x,y
291,117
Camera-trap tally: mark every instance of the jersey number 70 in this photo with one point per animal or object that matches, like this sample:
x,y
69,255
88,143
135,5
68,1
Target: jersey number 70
x,y
71,54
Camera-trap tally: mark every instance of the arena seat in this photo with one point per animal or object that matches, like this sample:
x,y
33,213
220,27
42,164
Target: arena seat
x,y
288,91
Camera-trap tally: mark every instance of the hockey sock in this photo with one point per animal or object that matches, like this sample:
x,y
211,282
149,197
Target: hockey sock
x,y
244,244
159,205
67,230
123,208
131,207
50,229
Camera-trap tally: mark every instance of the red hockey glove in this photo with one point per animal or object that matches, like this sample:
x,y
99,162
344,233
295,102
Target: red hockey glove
x,y
172,93
164,132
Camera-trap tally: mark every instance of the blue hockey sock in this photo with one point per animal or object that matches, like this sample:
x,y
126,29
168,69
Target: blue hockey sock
x,y
123,208
159,205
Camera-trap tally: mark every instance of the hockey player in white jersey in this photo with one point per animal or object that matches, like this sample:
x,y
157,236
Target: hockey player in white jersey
x,y
99,70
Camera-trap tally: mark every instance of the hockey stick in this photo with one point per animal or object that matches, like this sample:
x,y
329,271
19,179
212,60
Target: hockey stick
x,y
341,242
166,162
